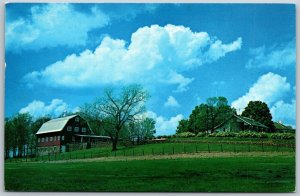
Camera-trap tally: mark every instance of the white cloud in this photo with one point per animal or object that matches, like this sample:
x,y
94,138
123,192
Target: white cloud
x,y
171,102
165,126
279,56
52,25
39,109
285,112
269,88
155,55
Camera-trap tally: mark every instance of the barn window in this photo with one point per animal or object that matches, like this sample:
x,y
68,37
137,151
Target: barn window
x,y
51,139
46,139
77,119
43,139
83,129
39,139
69,128
62,138
58,138
54,138
76,129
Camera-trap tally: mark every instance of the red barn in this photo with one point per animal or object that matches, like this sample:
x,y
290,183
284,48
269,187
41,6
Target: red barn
x,y
55,135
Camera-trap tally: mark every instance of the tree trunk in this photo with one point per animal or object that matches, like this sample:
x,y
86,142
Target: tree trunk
x,y
114,144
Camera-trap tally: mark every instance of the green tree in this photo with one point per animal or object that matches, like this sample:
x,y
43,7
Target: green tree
x,y
198,119
9,136
113,111
218,111
259,111
18,129
34,127
183,126
142,129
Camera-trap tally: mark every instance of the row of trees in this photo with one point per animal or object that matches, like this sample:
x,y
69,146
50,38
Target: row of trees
x,y
206,116
20,134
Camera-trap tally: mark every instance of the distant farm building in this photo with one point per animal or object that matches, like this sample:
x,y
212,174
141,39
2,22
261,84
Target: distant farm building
x,y
240,123
57,135
279,127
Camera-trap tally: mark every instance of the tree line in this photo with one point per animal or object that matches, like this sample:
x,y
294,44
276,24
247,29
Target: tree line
x,y
206,116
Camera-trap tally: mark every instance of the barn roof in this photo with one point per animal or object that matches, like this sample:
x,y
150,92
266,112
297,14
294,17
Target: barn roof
x,y
54,125
279,125
246,120
251,122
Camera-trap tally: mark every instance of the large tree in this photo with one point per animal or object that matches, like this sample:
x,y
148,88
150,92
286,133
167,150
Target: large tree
x,y
259,111
183,126
218,111
114,110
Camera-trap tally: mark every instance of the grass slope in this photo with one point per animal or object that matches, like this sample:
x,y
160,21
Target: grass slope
x,y
210,174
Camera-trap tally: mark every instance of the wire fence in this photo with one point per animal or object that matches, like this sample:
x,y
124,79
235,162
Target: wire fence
x,y
159,149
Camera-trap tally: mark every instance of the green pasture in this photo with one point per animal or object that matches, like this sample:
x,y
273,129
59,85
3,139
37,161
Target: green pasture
x,y
211,174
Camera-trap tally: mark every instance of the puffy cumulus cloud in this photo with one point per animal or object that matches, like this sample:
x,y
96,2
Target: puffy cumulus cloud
x,y
268,88
278,56
171,102
38,108
285,112
163,125
155,55
52,25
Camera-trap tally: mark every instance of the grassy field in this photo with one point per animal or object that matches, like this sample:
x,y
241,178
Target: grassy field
x,y
255,173
181,146
204,165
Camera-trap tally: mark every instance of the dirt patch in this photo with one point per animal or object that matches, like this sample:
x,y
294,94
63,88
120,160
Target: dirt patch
x,y
178,156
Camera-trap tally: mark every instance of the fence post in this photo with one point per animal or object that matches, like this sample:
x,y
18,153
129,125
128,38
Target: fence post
x,y
208,147
173,150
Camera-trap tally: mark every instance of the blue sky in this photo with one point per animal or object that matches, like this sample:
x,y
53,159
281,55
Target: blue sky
x,y
60,56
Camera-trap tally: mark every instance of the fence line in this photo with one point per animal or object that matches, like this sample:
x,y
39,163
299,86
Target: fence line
x,y
173,149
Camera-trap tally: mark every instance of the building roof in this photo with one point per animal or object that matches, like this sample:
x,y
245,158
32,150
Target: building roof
x,y
54,125
246,120
279,125
250,121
